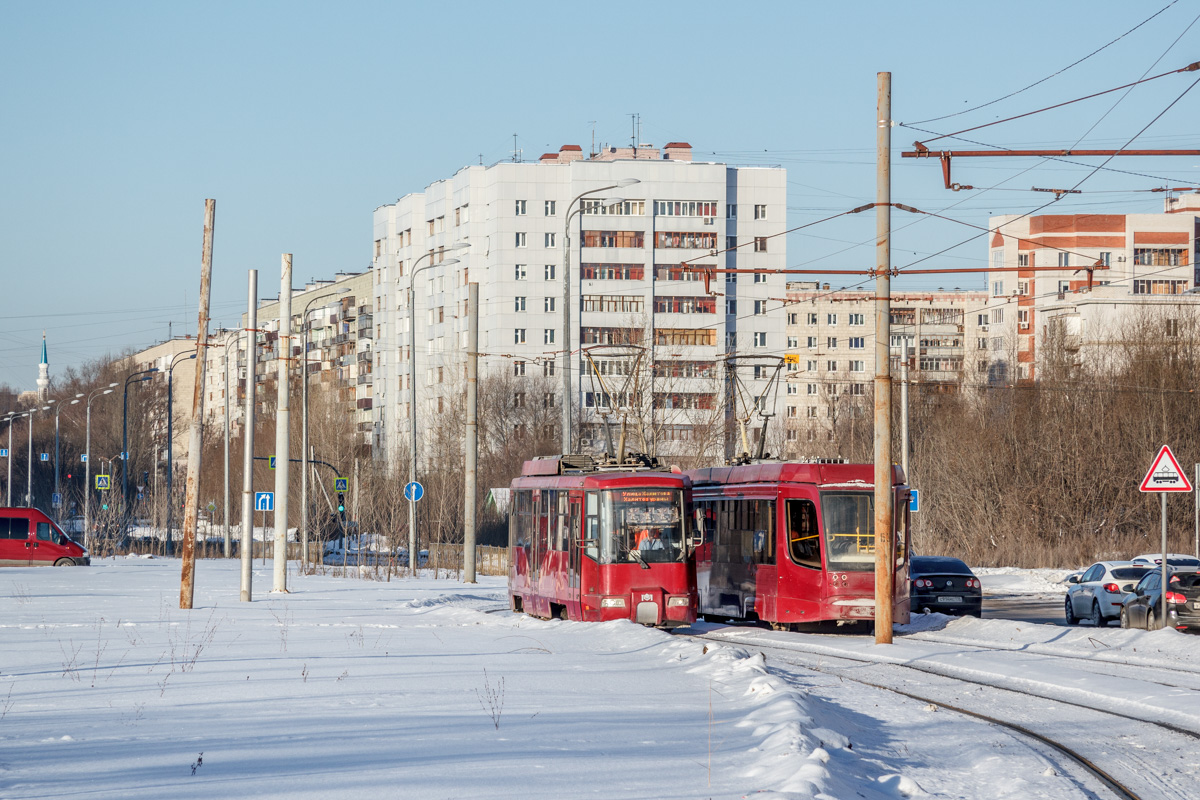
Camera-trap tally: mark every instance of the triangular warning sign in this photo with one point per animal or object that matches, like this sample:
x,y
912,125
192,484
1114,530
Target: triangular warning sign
x,y
1165,475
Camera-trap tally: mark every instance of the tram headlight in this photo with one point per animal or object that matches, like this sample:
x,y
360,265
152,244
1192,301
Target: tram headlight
x,y
677,601
612,602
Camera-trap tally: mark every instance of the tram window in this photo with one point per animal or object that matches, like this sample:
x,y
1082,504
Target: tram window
x,y
542,522
804,543
764,531
849,530
562,524
523,519
902,523
591,526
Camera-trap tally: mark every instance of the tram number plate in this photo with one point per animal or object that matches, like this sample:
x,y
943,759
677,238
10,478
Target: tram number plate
x,y
945,599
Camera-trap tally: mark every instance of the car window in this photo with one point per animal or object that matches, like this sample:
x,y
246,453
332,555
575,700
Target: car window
x,y
1128,573
1189,581
1093,573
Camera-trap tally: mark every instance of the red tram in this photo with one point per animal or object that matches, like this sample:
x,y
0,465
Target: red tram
x,y
788,543
595,541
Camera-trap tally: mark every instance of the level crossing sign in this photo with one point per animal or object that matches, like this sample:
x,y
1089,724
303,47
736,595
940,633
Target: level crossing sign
x,y
1165,474
264,501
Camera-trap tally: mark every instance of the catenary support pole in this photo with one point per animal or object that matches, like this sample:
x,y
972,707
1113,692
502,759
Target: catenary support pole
x,y
1196,496
281,425
904,412
884,578
472,443
247,546
225,552
195,439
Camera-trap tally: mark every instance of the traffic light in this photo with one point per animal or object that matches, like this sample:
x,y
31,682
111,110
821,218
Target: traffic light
x,y
146,478
341,502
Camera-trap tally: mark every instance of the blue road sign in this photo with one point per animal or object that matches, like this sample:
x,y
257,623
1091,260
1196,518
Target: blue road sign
x,y
271,464
3,452
141,495
264,501
124,455
44,456
103,481
914,500
341,485
56,499
414,491
83,457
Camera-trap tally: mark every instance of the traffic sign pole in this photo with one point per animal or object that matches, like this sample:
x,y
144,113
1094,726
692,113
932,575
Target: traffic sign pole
x,y
1165,475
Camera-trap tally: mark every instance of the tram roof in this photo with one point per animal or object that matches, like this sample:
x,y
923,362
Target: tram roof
x,y
574,471
823,474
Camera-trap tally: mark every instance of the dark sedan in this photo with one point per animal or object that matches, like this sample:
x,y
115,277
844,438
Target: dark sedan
x,y
1143,606
947,585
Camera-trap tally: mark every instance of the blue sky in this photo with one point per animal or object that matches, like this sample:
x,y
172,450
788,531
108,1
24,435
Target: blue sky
x,y
120,118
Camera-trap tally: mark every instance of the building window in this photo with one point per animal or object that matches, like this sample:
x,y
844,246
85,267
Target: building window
x,y
1064,259
831,366
793,342
519,305
811,411
760,277
760,212
997,288
831,342
812,365
856,366
760,306
731,211
612,272
831,319
811,388
518,336
550,208
520,240
855,319
811,318
519,272
998,316
760,339
1023,260
812,343
730,306
550,240
547,368
1159,287
549,272
684,208
730,242
983,320
857,342
1160,257
519,369
520,208
690,240
635,208
1022,288
1106,259
549,304
548,336
858,388
614,239
1022,317
760,244
792,319
793,388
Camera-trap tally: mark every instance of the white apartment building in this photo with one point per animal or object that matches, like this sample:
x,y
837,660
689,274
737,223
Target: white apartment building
x,y
627,286
942,334
1137,262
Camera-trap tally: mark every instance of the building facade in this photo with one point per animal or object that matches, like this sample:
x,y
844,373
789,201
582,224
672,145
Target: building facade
x,y
1074,279
941,335
628,222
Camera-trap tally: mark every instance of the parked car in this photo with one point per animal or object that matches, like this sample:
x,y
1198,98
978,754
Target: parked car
x,y
1173,560
1099,592
1143,606
940,583
28,538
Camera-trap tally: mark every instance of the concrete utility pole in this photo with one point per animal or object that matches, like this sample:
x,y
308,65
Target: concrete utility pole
x,y
281,426
247,548
884,579
231,337
904,413
188,576
472,444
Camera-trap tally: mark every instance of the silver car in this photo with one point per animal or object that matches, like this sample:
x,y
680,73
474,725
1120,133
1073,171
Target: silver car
x,y
1097,594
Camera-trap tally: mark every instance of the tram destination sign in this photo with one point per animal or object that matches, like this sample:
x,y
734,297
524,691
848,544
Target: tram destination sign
x,y
644,495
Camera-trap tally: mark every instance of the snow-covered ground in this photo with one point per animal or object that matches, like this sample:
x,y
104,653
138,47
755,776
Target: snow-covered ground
x,y
425,688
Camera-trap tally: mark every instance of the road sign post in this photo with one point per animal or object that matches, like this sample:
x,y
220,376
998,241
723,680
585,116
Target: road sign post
x,y
1165,475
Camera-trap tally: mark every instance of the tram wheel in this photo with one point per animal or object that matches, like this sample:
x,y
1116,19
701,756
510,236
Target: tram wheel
x,y
562,613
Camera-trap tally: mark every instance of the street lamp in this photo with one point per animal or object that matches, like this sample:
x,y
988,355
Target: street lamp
x,y
29,473
146,375
230,337
57,491
170,436
87,464
566,399
11,419
412,390
304,428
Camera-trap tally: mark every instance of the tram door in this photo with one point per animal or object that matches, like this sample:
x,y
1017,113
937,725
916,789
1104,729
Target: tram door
x,y
574,515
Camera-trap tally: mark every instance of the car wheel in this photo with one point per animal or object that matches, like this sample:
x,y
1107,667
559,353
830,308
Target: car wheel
x,y
1097,618
1124,617
1071,618
64,562
1151,622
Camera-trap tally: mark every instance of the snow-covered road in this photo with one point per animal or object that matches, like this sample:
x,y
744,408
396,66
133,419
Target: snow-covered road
x,y
353,688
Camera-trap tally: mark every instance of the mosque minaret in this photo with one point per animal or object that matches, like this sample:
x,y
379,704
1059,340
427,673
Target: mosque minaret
x,y
43,379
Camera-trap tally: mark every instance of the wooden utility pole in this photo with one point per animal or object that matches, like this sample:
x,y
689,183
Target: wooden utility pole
x,y
472,443
187,579
281,425
248,439
884,579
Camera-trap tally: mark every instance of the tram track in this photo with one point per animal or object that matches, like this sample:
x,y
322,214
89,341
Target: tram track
x,y
1005,707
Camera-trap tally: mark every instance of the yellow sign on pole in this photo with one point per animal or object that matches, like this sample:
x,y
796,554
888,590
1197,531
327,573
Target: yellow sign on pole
x,y
791,358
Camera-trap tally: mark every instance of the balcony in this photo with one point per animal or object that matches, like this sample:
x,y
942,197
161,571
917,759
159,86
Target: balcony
x,y
363,403
365,378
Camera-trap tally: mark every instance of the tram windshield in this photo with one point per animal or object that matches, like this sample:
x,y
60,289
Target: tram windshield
x,y
636,526
849,531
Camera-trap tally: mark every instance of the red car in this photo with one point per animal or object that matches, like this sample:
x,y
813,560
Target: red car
x,y
28,538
